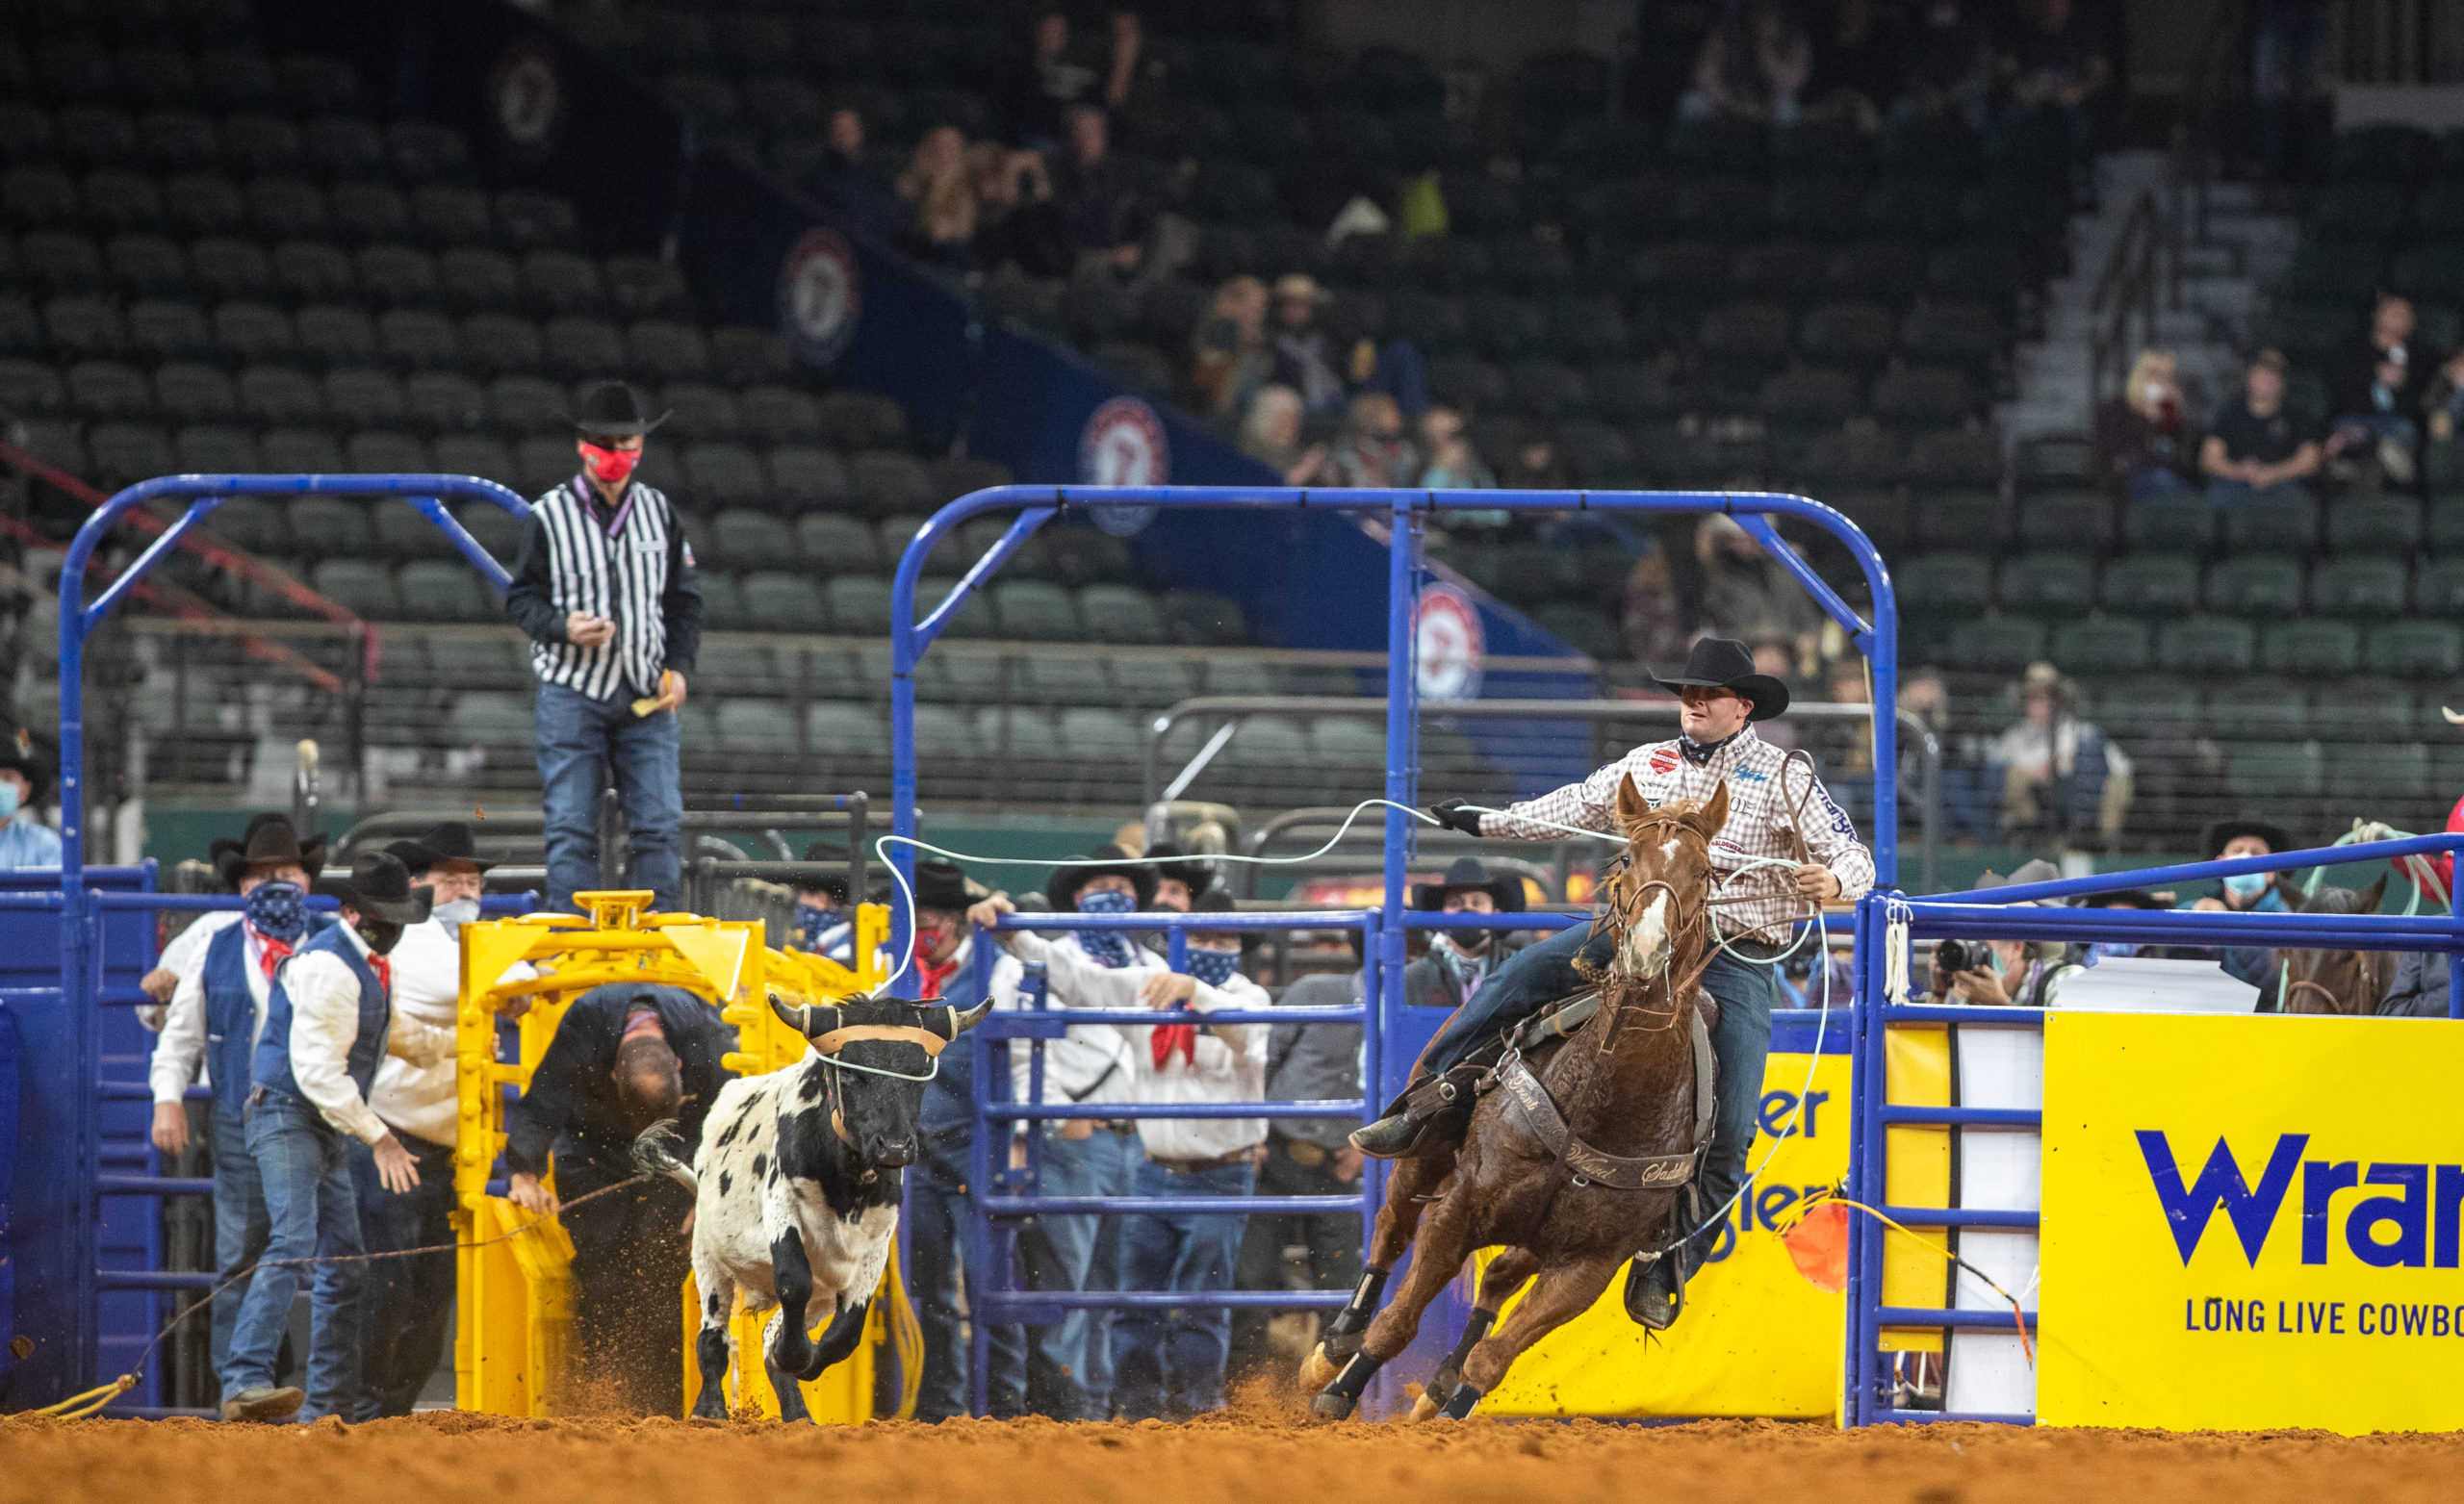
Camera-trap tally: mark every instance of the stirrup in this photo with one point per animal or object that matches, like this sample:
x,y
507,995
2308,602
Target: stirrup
x,y
1435,1109
1655,1290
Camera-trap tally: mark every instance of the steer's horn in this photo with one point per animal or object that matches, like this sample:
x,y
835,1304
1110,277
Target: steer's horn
x,y
2452,719
961,1023
799,1019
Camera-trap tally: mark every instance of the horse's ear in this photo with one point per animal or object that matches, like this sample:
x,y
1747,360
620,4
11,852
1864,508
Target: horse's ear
x,y
1632,809
2365,901
2293,897
1713,813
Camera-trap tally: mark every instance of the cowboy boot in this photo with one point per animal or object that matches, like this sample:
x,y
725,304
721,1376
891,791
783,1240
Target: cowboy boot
x,y
1432,1112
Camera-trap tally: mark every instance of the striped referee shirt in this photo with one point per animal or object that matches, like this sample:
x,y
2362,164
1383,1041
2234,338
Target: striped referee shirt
x,y
1759,814
629,563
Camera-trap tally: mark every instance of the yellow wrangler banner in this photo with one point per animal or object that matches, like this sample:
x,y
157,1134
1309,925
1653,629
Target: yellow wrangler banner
x,y
1756,1339
2252,1223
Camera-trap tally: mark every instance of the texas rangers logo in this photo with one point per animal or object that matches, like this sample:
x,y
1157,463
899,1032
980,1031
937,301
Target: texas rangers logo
x,y
1448,643
819,297
529,95
1123,444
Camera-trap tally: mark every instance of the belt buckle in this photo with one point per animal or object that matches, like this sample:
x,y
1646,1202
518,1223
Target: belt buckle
x,y
1301,1151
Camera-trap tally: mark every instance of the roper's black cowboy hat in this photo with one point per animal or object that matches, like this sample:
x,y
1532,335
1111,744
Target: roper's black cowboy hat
x,y
1724,663
1190,872
941,886
269,839
379,887
2278,839
450,841
1062,889
616,409
1505,892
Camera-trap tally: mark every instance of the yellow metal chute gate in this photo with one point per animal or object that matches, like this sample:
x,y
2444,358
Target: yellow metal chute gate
x,y
515,1294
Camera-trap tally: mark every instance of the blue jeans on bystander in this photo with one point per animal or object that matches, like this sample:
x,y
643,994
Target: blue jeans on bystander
x,y
314,1212
581,740
1168,1364
935,1230
405,1303
240,1230
1069,1366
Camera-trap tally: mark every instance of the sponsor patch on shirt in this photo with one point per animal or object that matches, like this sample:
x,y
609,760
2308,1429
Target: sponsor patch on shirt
x,y
1664,759
1748,775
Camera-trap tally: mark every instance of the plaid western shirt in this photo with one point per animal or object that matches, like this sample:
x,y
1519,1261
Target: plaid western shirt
x,y
1758,825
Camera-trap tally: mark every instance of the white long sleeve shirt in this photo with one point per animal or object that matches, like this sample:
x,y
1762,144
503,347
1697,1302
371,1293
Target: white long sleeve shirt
x,y
1091,1062
325,1022
179,1051
423,1100
1228,1064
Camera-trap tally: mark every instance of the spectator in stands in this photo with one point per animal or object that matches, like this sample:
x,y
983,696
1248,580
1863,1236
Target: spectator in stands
x,y
1228,356
936,1193
1652,619
821,916
1069,1373
406,1304
1097,193
1535,465
2375,392
1048,82
941,200
2015,973
1016,222
2056,64
1170,1364
1304,353
1858,66
2062,780
1753,66
2445,400
2144,446
1270,435
1454,465
1372,450
2257,444
1305,1157
625,1055
1748,594
221,979
2247,893
848,186
25,774
1950,74
2287,40
612,648
1458,960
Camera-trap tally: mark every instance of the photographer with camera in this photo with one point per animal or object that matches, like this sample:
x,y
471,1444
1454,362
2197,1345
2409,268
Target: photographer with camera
x,y
2003,973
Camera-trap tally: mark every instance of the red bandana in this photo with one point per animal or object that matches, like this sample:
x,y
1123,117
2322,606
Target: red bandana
x,y
270,953
1168,1038
384,969
934,977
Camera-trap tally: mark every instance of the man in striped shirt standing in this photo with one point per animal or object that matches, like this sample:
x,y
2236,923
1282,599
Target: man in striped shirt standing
x,y
604,586
1785,844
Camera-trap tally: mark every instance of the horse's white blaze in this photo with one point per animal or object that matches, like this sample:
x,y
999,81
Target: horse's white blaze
x,y
1668,849
1646,942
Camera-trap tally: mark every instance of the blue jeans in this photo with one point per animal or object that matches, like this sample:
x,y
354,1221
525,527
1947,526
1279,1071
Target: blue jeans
x,y
1069,1366
405,1305
581,740
1545,973
1168,1364
314,1210
240,1230
936,1232
2156,480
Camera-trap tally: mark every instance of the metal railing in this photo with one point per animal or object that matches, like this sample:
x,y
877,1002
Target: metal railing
x,y
2140,281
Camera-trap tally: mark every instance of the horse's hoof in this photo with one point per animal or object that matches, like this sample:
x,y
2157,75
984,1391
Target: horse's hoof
x,y
1318,1370
1423,1408
1330,1407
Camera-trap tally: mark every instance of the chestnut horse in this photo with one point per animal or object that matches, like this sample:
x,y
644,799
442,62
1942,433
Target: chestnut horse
x,y
2334,981
1623,1088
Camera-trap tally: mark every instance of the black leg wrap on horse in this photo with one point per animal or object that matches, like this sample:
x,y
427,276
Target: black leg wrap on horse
x,y
1458,1406
1336,1400
1342,1336
1449,1369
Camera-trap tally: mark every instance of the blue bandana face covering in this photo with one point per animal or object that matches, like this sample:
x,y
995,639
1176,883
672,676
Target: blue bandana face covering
x,y
278,911
1105,946
1215,968
811,923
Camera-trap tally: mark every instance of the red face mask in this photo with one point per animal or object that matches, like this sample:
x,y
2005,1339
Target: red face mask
x,y
610,467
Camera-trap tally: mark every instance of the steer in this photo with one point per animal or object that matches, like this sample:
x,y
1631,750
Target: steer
x,y
797,1184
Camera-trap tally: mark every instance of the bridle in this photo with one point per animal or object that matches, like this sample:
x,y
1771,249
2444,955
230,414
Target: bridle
x,y
1622,900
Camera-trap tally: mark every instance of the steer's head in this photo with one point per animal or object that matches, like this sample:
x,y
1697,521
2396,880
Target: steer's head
x,y
881,1052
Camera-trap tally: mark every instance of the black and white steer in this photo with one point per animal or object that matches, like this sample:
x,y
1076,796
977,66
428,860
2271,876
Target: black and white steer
x,y
797,1184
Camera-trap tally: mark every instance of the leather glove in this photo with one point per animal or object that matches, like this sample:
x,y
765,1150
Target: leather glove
x,y
1452,814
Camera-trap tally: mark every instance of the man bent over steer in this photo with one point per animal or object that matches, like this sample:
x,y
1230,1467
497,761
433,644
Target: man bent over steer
x,y
1770,816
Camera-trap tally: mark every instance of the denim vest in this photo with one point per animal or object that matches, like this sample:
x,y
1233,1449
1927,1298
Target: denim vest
x,y
230,1018
366,1047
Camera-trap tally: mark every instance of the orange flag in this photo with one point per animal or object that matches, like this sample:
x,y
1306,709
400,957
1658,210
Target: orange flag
x,y
1818,1246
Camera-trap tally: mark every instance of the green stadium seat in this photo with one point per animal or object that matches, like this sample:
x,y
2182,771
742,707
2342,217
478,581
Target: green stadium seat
x,y
2152,584
252,523
2002,644
1202,619
2139,704
778,601
2272,520
832,542
2438,588
332,527
2066,520
722,602
2311,647
1938,583
1883,516
1958,520
885,483
404,533
445,590
2255,584
741,539
1037,611
510,343
1152,681
359,586
2368,771
751,730
474,455
2048,583
2258,709
2358,585
2206,645
2379,709
2375,525
728,668
846,734
2415,650
975,617
859,605
781,414
217,449
491,718
1119,614
2446,512
945,743
2102,644
458,662
2272,770
829,672
445,401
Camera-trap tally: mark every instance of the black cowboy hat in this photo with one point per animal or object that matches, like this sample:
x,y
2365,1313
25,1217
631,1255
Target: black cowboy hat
x,y
1725,663
269,839
1193,872
943,887
833,883
1505,892
2128,898
379,886
1216,901
615,410
450,841
27,755
2278,839
1062,889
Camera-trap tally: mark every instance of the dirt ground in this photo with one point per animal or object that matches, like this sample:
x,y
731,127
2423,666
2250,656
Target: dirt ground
x,y
448,1455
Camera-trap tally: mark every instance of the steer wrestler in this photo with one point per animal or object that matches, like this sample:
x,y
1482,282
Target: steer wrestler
x,y
1721,697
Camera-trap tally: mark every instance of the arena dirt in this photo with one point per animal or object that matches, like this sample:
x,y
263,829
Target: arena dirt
x,y
1245,1458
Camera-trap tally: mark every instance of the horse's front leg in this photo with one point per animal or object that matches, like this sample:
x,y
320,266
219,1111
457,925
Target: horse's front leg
x,y
1397,1222
1562,1292
1442,1245
1510,1271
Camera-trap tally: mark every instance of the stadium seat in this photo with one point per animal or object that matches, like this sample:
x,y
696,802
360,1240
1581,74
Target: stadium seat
x,y
2002,644
1152,681
776,601
365,398
475,454
1202,619
2372,770
746,540
2415,650
832,542
109,389
724,476
525,405
2102,644
581,349
2375,525
445,590
886,482
383,452
491,718
2206,645
1939,583
1037,611
124,453
858,604
2066,520
1958,519
1119,614
2048,582
333,335
700,410
2438,587
2359,585
2272,770
404,533
781,414
443,401
359,586
2185,522
2255,584
2151,584
332,527
722,602
2311,647
2271,519
845,735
